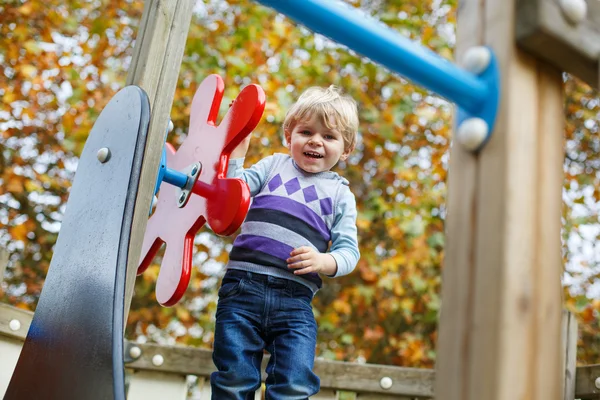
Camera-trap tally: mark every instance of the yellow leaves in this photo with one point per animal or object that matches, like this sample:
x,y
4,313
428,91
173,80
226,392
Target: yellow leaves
x,y
32,47
342,307
9,97
19,232
13,183
27,70
26,9
183,314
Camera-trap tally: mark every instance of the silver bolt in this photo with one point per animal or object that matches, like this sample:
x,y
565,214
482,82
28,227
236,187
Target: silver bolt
x,y
14,325
472,133
477,59
597,383
574,10
135,352
386,382
158,360
171,126
194,170
103,155
182,198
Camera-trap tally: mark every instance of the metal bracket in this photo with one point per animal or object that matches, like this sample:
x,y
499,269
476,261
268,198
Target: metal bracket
x,y
183,194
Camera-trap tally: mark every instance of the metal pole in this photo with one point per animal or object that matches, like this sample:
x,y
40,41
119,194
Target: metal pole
x,y
387,47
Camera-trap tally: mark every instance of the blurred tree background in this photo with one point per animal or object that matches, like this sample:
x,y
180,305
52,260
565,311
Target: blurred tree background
x,y
62,61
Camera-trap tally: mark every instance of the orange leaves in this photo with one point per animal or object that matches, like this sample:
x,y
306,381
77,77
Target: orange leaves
x,y
341,307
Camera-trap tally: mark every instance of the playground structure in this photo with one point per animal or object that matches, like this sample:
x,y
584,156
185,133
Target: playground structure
x,y
500,328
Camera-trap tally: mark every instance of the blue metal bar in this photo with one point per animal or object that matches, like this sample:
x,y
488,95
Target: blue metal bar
x,y
388,48
175,178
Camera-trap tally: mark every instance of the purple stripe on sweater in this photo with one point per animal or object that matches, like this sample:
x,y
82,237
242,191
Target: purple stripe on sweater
x,y
266,245
294,208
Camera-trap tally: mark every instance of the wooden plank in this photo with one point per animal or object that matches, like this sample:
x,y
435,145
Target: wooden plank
x,y
3,262
334,375
198,362
8,314
548,263
10,350
150,385
325,394
155,68
569,338
543,30
458,272
585,382
509,328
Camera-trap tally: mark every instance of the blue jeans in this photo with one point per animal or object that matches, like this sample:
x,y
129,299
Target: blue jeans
x,y
257,312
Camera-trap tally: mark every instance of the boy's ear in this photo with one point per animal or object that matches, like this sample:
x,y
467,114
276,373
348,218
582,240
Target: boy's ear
x,y
346,153
288,138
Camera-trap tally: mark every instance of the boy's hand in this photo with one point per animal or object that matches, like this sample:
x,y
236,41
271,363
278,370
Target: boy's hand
x,y
241,149
306,259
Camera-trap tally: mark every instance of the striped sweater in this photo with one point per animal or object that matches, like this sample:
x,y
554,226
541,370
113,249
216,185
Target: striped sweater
x,y
293,208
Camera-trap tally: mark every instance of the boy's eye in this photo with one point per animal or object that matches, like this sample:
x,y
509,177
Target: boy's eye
x,y
305,132
329,137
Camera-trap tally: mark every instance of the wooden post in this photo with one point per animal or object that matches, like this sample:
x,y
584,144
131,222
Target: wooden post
x,y
155,68
569,348
501,292
3,263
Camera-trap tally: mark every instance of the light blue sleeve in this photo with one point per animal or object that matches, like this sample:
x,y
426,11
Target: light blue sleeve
x,y
254,176
344,242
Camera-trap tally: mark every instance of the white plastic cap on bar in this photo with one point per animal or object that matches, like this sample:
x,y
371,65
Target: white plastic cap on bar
x,y
103,155
158,360
386,382
476,59
472,132
14,325
574,10
135,352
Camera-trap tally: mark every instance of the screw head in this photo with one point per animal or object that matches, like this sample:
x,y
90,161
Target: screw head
x,y
135,352
386,382
14,325
194,170
574,10
477,59
103,155
181,197
158,360
171,126
472,132
597,383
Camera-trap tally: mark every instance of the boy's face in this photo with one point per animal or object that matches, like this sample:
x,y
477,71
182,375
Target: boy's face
x,y
314,147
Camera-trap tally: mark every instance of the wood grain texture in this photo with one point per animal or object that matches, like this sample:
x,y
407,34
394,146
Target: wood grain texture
x,y
501,304
155,66
181,360
543,31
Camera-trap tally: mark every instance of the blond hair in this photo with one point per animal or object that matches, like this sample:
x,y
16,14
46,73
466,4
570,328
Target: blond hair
x,y
335,109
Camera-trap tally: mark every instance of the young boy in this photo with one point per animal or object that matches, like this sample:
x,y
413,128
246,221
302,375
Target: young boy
x,y
299,207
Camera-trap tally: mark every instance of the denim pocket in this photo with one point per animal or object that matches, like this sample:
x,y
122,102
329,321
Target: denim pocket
x,y
229,288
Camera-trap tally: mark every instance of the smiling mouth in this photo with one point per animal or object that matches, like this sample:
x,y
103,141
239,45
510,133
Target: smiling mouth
x,y
312,155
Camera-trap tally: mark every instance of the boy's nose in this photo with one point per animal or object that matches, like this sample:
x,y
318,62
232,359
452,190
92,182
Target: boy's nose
x,y
314,142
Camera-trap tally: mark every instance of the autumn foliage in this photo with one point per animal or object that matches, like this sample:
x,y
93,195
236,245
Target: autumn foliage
x,y
61,61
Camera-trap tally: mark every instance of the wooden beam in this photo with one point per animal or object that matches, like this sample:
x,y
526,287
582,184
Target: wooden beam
x,y
158,53
569,337
585,384
543,30
334,375
501,297
3,263
344,376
